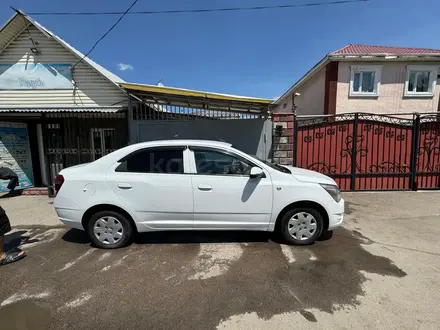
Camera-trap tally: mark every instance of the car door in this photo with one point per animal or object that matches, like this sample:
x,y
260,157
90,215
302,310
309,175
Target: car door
x,y
153,185
225,197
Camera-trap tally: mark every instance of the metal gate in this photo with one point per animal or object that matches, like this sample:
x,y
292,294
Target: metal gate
x,y
74,138
371,152
428,151
251,133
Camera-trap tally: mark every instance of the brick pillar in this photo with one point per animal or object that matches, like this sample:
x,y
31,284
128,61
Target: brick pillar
x,y
282,142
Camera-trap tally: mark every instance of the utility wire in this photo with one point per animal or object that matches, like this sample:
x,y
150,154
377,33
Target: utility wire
x,y
185,11
105,34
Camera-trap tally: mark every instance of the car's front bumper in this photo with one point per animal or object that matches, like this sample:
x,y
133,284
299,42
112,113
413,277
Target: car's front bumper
x,y
336,217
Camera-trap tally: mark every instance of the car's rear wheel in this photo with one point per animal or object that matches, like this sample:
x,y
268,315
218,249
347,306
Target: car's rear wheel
x,y
301,226
109,230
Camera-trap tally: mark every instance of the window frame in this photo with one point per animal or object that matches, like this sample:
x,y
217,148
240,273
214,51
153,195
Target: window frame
x,y
193,166
433,72
377,69
154,148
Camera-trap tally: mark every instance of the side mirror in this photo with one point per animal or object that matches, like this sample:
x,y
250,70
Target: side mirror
x,y
256,172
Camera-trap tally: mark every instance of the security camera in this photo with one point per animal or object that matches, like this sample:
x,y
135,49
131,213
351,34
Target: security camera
x,y
297,94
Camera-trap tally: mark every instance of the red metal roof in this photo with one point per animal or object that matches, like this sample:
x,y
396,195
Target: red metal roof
x,y
353,49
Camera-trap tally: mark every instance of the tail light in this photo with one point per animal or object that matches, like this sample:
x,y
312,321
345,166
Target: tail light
x,y
59,180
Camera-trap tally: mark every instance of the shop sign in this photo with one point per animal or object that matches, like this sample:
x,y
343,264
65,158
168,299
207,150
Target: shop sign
x,y
35,76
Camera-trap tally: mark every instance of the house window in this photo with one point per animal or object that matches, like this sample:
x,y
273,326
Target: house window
x,y
421,80
365,80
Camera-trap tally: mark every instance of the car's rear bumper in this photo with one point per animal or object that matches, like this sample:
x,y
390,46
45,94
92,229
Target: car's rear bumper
x,y
336,217
71,218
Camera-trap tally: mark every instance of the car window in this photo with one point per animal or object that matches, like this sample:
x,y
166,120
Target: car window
x,y
210,162
153,160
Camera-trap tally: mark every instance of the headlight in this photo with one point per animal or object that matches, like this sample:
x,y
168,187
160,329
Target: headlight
x,y
333,191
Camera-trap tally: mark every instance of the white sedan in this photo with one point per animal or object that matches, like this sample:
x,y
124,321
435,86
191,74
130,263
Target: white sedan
x,y
194,185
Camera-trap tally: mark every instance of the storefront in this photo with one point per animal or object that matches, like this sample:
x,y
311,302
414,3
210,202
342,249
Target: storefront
x,y
37,145
57,108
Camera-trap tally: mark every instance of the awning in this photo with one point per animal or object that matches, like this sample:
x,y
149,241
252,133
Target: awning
x,y
61,109
164,96
192,93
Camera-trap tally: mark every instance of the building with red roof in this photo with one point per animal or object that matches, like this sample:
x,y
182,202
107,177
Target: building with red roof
x,y
367,78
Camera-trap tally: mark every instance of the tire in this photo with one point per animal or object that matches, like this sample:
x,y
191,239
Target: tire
x,y
304,224
118,233
326,235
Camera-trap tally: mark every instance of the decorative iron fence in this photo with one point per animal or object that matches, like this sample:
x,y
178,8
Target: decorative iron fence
x,y
73,138
427,152
178,111
371,152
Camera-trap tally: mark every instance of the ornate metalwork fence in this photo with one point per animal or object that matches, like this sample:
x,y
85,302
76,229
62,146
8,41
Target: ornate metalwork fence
x,y
73,138
428,152
371,152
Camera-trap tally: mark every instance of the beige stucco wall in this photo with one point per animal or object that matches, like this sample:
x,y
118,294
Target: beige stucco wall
x,y
390,99
311,100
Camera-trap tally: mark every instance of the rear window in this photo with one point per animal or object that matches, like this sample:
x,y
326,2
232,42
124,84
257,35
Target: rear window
x,y
157,160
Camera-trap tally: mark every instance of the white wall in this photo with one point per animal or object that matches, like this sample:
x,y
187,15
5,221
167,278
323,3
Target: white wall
x,y
390,99
92,88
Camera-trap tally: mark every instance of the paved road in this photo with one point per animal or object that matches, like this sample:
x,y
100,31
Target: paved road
x,y
377,272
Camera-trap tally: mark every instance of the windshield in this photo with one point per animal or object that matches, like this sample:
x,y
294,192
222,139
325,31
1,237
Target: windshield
x,y
274,166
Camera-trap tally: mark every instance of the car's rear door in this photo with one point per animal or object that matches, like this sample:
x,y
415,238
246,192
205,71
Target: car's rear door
x,y
225,197
153,185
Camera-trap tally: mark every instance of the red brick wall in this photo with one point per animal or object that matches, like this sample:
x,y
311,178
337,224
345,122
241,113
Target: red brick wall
x,y
331,87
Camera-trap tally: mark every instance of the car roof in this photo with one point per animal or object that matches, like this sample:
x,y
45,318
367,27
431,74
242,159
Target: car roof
x,y
120,153
178,142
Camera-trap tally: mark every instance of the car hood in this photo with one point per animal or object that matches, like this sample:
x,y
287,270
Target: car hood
x,y
304,175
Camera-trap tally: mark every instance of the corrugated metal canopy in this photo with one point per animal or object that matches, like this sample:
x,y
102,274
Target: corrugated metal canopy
x,y
171,94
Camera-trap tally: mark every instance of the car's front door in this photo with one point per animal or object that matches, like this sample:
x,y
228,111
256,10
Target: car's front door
x,y
153,185
225,197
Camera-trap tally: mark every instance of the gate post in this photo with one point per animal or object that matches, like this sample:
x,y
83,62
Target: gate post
x,y
415,149
78,132
282,143
130,139
295,138
354,153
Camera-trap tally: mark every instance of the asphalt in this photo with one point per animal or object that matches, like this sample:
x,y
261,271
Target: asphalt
x,y
380,271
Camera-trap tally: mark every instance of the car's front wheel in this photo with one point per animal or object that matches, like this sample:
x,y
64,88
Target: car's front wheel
x,y
301,226
109,230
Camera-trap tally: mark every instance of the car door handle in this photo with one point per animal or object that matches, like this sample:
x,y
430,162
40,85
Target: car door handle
x,y
204,187
125,186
